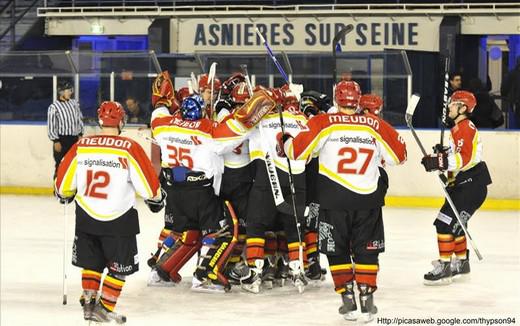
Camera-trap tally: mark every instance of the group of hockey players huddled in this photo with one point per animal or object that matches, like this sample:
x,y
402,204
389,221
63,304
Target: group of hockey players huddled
x,y
256,183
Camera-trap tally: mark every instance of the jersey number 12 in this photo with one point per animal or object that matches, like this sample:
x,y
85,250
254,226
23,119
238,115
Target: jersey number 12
x,y
95,181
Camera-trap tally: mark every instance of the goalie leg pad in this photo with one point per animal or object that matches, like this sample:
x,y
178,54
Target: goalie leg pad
x,y
177,256
214,259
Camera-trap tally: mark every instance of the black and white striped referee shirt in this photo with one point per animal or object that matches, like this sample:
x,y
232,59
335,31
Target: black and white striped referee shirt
x,y
64,118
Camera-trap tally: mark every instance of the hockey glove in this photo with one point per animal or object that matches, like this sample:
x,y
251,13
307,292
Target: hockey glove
x,y
223,104
163,92
438,148
280,141
321,101
64,200
155,205
435,162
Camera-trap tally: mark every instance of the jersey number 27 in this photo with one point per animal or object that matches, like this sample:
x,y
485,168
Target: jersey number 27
x,y
352,156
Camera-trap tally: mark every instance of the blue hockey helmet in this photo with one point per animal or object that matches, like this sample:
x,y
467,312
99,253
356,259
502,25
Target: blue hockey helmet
x,y
192,108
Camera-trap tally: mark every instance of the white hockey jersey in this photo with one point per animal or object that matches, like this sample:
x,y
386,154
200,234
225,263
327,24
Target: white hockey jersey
x,y
263,139
105,173
196,145
350,148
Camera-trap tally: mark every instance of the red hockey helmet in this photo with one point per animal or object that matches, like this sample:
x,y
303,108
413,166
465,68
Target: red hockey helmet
x,y
204,83
466,98
240,93
182,93
371,102
111,114
162,89
291,107
347,94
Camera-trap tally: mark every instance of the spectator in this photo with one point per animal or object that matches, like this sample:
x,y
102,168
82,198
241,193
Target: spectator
x,y
136,114
64,122
486,114
510,89
455,82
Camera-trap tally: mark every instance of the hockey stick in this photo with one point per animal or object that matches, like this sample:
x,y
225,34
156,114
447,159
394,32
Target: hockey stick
x,y
336,47
65,230
291,179
281,205
445,98
211,77
222,262
288,65
140,133
193,84
412,104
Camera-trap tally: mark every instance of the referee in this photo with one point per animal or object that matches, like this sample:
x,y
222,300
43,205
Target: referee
x,y
64,122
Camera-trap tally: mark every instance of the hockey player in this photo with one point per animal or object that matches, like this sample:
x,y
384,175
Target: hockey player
x,y
190,149
164,95
238,175
350,147
103,173
207,88
262,213
313,103
468,178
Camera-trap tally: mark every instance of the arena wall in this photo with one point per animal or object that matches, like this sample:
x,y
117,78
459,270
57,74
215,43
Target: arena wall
x,y
27,166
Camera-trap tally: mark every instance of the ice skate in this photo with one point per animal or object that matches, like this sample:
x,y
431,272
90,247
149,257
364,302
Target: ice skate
x,y
440,275
251,283
269,272
282,271
87,301
366,301
297,275
349,307
102,315
155,280
314,271
207,286
460,269
236,272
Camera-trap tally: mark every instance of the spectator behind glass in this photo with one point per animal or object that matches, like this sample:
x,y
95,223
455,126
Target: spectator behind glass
x,y
136,114
455,82
510,89
486,114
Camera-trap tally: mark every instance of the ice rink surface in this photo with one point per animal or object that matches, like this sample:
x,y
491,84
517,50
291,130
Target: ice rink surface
x,y
31,276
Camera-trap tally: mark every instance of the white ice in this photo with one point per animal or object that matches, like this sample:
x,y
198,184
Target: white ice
x,y
31,276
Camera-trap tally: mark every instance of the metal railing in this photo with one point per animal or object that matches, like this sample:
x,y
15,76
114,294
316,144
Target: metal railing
x,y
184,8
17,19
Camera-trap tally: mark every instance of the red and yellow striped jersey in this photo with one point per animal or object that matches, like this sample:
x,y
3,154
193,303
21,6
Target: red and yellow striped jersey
x,y
197,145
350,148
105,172
465,147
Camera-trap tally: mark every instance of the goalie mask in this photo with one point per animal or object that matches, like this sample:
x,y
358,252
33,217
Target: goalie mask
x,y
192,108
111,114
230,83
